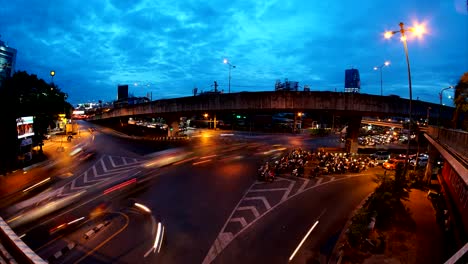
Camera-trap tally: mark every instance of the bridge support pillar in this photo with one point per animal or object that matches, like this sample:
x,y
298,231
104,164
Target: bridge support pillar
x,y
352,133
173,125
214,122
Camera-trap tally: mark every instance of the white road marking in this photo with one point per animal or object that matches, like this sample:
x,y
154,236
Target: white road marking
x,y
241,220
261,198
103,165
269,190
112,161
318,182
304,184
251,208
288,191
304,239
217,247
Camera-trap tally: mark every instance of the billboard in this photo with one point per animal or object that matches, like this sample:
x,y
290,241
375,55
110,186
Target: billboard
x,y
24,126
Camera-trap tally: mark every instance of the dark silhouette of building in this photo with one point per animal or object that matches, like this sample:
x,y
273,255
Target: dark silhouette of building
x,y
286,86
122,91
352,81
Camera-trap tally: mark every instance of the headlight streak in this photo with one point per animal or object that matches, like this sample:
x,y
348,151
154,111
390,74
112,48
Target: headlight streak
x,y
37,184
144,208
162,238
156,241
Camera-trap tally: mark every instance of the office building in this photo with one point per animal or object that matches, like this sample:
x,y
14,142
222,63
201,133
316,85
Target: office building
x,y
352,81
7,61
122,92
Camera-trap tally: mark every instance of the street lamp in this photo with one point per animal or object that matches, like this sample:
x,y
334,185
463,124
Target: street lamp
x,y
52,74
380,68
230,67
441,93
418,31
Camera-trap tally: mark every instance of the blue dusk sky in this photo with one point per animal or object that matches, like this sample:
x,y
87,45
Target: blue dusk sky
x,y
169,47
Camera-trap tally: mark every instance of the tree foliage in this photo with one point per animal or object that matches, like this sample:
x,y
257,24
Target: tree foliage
x,y
461,102
29,96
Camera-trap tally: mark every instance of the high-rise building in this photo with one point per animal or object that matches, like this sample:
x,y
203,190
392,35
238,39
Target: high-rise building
x,y
7,61
352,81
122,92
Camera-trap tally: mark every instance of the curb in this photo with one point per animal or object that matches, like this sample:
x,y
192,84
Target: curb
x,y
96,229
337,252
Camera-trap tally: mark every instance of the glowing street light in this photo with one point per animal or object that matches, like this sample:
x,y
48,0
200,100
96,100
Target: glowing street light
x,y
380,68
225,61
441,93
418,30
52,74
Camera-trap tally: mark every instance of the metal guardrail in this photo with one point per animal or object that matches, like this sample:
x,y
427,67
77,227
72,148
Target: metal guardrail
x,y
455,140
16,247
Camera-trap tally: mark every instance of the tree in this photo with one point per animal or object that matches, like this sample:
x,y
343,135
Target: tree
x,y
461,102
26,95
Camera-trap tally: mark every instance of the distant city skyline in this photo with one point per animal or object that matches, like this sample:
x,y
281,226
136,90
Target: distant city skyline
x,y
167,48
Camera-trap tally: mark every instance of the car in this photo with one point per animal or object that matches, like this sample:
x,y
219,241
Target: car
x,y
420,161
381,155
391,164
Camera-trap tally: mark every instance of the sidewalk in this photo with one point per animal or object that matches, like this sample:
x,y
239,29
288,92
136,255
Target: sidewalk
x,y
423,243
35,171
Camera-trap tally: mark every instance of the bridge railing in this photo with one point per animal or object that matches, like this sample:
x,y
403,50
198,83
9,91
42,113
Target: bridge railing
x,y
455,140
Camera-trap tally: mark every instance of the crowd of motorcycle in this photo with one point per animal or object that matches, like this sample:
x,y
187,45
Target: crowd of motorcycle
x,y
320,163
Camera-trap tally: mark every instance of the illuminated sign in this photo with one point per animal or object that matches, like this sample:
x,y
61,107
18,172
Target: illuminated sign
x,y
78,112
24,126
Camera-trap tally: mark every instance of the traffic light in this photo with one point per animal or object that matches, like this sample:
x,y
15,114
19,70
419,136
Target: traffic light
x,y
238,116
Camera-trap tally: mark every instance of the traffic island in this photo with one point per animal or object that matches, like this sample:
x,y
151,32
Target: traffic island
x,y
394,224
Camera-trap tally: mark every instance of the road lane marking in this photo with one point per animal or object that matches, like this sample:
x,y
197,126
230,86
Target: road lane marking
x,y
318,182
241,220
304,184
269,190
261,198
104,168
214,251
303,240
251,208
127,220
287,192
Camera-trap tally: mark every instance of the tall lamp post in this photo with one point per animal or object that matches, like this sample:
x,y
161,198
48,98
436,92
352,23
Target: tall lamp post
x,y
417,30
441,93
380,68
230,67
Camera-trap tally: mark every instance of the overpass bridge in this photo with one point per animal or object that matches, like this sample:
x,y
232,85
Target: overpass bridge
x,y
346,104
353,106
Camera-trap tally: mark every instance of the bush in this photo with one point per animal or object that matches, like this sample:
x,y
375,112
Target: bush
x,y
358,230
